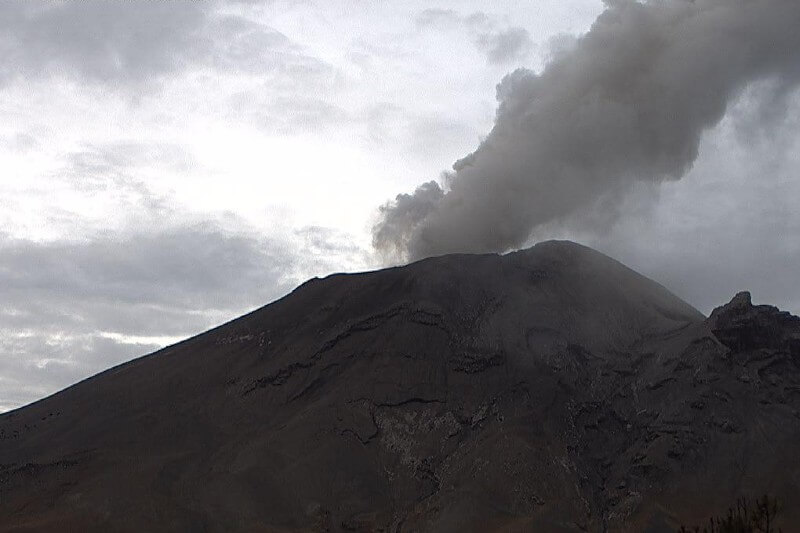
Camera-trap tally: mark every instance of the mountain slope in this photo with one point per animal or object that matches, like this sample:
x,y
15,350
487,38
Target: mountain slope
x,y
551,389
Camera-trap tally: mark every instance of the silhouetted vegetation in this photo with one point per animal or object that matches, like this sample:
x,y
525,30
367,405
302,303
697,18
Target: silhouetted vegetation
x,y
758,517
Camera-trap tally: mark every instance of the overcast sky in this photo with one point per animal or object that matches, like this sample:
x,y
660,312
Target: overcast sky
x,y
167,166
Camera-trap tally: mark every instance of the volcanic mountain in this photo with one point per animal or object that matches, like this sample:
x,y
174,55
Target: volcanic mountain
x,y
550,389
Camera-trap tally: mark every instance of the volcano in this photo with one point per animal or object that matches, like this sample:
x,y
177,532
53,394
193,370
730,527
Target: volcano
x,y
551,389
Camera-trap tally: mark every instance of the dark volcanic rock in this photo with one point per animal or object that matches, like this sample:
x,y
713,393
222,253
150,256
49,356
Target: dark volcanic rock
x,y
551,389
741,326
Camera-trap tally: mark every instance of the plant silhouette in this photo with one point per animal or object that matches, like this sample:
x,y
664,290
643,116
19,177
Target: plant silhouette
x,y
760,517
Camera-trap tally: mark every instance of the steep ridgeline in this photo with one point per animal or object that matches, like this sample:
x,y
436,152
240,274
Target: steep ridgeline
x,y
551,389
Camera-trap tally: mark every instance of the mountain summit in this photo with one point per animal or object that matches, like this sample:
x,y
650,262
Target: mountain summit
x,y
550,389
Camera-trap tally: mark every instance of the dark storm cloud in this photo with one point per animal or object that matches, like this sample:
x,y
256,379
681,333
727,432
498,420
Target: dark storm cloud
x,y
500,43
67,307
627,103
133,42
34,366
71,309
189,267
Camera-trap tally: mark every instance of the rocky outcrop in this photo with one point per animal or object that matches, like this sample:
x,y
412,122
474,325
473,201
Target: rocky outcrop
x,y
742,326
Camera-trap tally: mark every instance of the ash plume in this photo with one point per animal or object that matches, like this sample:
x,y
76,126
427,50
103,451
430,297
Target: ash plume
x,y
628,103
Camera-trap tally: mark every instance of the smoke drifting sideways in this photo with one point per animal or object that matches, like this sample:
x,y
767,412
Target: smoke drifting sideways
x,y
627,104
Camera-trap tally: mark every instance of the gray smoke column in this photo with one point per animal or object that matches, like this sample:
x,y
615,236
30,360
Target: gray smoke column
x,y
628,103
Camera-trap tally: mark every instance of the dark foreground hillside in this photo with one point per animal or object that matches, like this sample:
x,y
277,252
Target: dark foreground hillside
x,y
551,389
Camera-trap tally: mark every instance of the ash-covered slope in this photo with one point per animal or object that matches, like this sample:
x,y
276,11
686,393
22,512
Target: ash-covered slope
x,y
551,389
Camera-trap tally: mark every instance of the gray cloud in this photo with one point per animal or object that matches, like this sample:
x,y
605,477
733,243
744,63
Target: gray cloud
x,y
135,43
438,16
20,143
113,169
70,309
292,113
505,46
100,40
628,103
35,365
751,250
502,44
187,267
731,224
